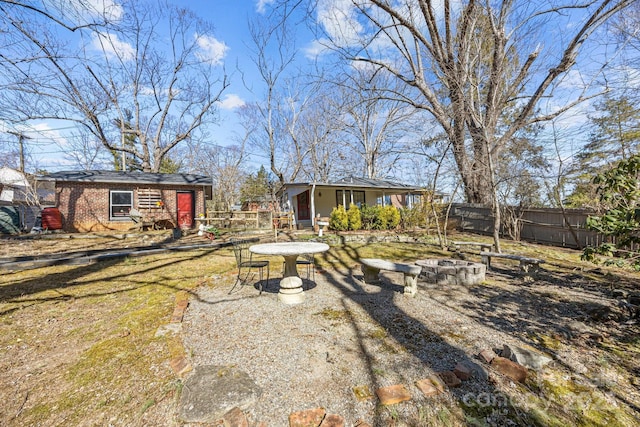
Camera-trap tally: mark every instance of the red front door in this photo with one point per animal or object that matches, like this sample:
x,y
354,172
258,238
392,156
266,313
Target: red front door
x,y
185,209
303,206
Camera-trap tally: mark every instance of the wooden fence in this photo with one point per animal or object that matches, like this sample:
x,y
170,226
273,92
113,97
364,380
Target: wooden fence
x,y
542,225
237,219
261,219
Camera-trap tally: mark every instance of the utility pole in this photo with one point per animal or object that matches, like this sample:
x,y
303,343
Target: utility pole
x,y
21,138
124,154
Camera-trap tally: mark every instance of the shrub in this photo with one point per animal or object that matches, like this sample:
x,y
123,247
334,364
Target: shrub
x,y
338,219
411,217
370,217
354,217
389,217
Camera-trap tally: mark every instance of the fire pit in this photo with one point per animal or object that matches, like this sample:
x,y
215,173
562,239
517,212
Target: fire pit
x,y
451,272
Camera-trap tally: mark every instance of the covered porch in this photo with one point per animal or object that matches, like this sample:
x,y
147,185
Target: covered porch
x,y
310,202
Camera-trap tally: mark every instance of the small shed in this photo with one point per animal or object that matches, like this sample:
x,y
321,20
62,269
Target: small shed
x,y
94,200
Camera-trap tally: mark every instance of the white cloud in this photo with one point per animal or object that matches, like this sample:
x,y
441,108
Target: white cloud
x,y
90,10
316,48
106,8
112,46
212,50
231,102
261,5
339,18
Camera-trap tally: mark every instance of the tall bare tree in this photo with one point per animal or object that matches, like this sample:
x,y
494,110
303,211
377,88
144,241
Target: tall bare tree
x,y
274,118
468,62
320,130
374,125
150,60
225,165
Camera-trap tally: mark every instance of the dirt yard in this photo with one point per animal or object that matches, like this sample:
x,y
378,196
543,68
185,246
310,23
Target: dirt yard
x,y
81,343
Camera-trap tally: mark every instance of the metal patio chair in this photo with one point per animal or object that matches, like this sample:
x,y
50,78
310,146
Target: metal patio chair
x,y
245,263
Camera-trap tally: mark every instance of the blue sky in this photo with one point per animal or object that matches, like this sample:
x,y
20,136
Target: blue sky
x,y
230,48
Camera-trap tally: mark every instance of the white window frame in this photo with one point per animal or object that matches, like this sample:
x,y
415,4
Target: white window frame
x,y
124,217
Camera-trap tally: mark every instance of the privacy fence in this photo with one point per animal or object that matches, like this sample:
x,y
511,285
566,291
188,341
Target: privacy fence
x,y
541,225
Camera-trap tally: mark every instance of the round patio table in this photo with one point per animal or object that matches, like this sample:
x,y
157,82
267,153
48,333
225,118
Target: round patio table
x,y
291,291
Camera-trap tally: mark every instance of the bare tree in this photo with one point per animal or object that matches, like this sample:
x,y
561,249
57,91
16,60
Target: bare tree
x,y
320,130
469,63
374,125
84,150
275,120
166,81
225,165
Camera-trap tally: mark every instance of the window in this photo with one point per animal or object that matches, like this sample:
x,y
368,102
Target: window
x,y
384,200
120,203
358,198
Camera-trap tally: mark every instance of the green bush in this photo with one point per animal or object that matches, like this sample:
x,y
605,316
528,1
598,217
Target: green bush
x,y
412,217
354,217
389,217
338,220
370,217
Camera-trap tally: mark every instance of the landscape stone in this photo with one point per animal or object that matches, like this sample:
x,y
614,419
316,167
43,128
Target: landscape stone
x,y
530,358
333,420
212,391
428,388
462,371
307,418
393,394
235,418
509,368
437,381
450,379
487,355
180,365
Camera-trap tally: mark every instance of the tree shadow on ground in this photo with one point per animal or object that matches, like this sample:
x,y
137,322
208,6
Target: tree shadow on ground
x,y
527,309
554,310
21,292
413,335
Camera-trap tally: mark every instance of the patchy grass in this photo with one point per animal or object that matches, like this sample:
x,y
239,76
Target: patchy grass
x,y
90,331
80,347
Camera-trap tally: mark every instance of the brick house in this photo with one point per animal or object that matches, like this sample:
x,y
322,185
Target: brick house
x,y
102,200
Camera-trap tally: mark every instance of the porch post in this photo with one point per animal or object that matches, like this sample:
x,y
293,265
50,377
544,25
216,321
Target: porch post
x,y
351,193
290,205
344,198
313,205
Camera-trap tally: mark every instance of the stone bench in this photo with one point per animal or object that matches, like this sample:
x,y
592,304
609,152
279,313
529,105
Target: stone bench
x,y
527,265
484,247
371,268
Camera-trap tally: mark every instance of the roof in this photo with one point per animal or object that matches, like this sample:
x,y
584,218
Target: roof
x,y
119,177
351,181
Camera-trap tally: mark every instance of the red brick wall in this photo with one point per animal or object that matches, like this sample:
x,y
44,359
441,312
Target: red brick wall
x,y
85,206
